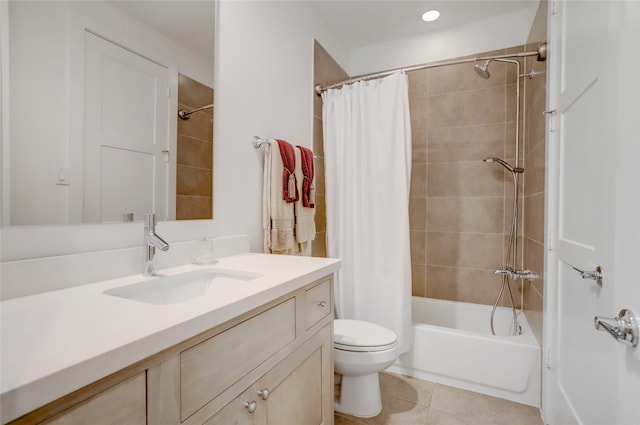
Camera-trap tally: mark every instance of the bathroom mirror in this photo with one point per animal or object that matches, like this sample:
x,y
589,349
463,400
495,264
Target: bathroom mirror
x,y
91,93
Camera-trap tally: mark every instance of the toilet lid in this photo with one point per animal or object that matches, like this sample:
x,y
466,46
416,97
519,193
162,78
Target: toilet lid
x,y
356,335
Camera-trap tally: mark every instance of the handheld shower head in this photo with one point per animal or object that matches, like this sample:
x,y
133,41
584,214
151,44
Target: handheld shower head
x,y
483,70
505,164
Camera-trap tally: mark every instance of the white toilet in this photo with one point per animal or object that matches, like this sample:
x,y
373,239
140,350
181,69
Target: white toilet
x,y
360,351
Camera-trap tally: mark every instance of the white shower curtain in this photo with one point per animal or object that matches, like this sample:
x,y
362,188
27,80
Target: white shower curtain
x,y
367,148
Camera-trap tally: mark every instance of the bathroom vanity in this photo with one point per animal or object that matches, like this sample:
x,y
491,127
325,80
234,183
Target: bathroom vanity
x,y
257,353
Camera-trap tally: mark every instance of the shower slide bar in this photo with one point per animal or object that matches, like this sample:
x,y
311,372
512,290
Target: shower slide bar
x,y
184,114
541,53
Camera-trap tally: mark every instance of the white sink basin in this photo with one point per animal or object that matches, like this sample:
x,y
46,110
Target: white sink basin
x,y
182,287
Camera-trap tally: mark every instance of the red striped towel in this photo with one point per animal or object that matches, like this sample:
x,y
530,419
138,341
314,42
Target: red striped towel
x,y
289,183
308,191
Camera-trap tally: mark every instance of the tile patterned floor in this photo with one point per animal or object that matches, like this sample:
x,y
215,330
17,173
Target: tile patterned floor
x,y
412,401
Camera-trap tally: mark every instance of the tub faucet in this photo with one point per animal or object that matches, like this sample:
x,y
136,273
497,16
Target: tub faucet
x,y
516,274
151,242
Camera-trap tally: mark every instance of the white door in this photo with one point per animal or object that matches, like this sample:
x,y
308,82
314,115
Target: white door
x,y
126,132
594,191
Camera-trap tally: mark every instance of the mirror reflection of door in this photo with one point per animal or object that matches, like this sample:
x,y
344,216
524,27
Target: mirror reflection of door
x,y
126,132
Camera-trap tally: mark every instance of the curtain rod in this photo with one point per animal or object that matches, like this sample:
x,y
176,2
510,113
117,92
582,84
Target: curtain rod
x,y
541,53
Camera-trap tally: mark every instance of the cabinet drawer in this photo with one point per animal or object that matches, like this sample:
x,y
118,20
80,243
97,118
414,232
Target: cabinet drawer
x,y
125,403
210,367
318,303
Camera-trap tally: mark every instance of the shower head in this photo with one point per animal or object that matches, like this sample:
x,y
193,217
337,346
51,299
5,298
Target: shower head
x,y
505,164
483,70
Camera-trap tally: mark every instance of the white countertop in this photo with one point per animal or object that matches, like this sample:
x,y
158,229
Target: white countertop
x,y
56,342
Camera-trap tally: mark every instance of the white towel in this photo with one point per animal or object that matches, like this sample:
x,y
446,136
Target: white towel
x,y
278,216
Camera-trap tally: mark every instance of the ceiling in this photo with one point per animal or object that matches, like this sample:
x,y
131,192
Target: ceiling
x,y
355,22
364,22
188,22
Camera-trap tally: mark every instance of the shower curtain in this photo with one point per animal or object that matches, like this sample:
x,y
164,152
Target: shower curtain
x,y
367,148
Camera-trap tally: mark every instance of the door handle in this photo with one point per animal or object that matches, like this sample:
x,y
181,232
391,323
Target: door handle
x,y
623,328
593,275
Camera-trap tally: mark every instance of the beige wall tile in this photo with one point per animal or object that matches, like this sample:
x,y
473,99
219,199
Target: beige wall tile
x,y
325,69
321,213
418,246
460,214
462,284
194,94
418,83
318,145
194,152
479,250
198,125
319,245
418,181
535,262
455,78
319,176
467,143
465,179
193,207
193,181
417,214
418,280
472,107
534,217
535,169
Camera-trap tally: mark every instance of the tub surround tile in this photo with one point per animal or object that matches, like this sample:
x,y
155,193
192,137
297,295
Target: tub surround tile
x,y
193,181
418,246
194,94
193,207
466,143
418,280
418,213
534,217
418,81
472,107
464,179
465,214
462,77
462,284
194,152
418,181
478,250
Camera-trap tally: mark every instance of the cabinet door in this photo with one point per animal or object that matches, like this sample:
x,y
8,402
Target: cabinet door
x,y
244,410
300,388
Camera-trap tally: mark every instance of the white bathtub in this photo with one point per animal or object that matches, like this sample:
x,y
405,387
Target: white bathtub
x,y
453,345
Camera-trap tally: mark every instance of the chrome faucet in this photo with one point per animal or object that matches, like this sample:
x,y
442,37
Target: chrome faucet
x,y
151,242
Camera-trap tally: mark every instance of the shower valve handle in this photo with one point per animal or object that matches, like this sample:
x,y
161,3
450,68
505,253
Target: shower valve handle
x,y
623,328
592,275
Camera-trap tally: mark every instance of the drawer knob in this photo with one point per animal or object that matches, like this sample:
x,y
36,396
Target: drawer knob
x,y
250,406
322,303
263,394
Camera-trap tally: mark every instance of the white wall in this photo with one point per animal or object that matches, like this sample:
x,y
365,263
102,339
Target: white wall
x,y
499,32
265,76
44,75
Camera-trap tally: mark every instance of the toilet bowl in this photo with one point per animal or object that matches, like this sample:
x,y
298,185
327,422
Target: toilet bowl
x,y
360,351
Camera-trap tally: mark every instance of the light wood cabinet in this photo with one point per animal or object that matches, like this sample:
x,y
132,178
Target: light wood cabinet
x,y
283,347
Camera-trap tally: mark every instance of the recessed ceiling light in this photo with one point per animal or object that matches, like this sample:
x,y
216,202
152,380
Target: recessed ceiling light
x,y
431,15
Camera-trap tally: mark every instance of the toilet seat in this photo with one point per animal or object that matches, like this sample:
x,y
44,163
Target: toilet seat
x,y
356,335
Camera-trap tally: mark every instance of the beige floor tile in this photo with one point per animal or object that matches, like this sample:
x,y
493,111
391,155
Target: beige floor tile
x,y
405,388
412,401
479,409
